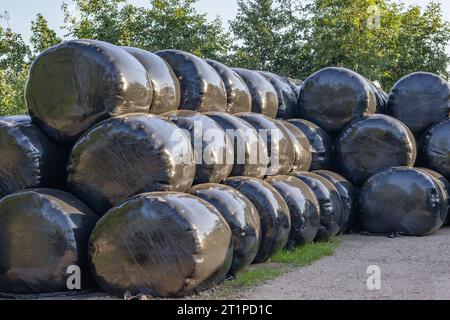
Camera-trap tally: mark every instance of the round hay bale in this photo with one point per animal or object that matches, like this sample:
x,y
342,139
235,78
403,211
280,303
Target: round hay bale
x,y
302,147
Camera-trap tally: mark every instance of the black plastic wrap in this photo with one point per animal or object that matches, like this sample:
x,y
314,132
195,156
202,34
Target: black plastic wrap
x,y
334,97
373,144
78,83
287,96
129,155
303,206
420,100
166,88
330,204
250,152
212,147
239,98
434,150
380,97
28,158
296,85
273,213
302,147
264,95
43,232
202,88
280,147
242,217
348,195
321,143
162,245
402,200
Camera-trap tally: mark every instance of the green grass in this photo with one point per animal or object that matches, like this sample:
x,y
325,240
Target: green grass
x,y
259,274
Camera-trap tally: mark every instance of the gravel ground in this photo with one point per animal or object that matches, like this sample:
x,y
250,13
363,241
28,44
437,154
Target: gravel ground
x,y
411,268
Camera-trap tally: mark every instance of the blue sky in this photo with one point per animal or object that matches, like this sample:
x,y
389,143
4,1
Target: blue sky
x,y
23,11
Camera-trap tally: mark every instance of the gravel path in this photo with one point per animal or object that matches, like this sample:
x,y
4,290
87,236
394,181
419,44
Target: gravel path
x,y
411,268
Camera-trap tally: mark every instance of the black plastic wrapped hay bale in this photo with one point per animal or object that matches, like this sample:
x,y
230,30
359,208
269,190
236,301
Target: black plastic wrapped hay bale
x,y
239,98
329,201
250,152
43,235
279,144
202,88
162,245
129,155
403,201
166,88
78,83
303,206
29,159
348,196
372,144
420,100
264,95
213,149
287,96
334,97
321,143
296,85
242,217
273,213
302,147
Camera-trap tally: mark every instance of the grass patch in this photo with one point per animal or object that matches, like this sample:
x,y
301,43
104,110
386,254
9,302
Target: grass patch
x,y
255,276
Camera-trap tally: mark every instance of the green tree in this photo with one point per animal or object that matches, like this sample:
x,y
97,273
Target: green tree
x,y
42,36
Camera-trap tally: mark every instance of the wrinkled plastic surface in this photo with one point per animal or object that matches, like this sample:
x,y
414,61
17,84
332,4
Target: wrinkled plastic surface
x,y
321,143
129,155
162,245
250,152
381,98
28,158
280,147
165,85
273,213
239,98
303,206
78,83
302,147
402,200
287,96
334,97
373,144
420,100
348,195
212,147
202,88
329,201
242,217
296,85
42,233
264,95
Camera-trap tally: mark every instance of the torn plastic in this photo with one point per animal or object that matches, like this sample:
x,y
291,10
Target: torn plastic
x,y
348,195
239,98
29,159
129,155
213,149
334,97
302,147
329,201
373,144
303,206
78,83
279,144
273,213
287,97
242,217
403,201
420,100
165,85
202,88
264,95
321,143
44,237
250,152
161,245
